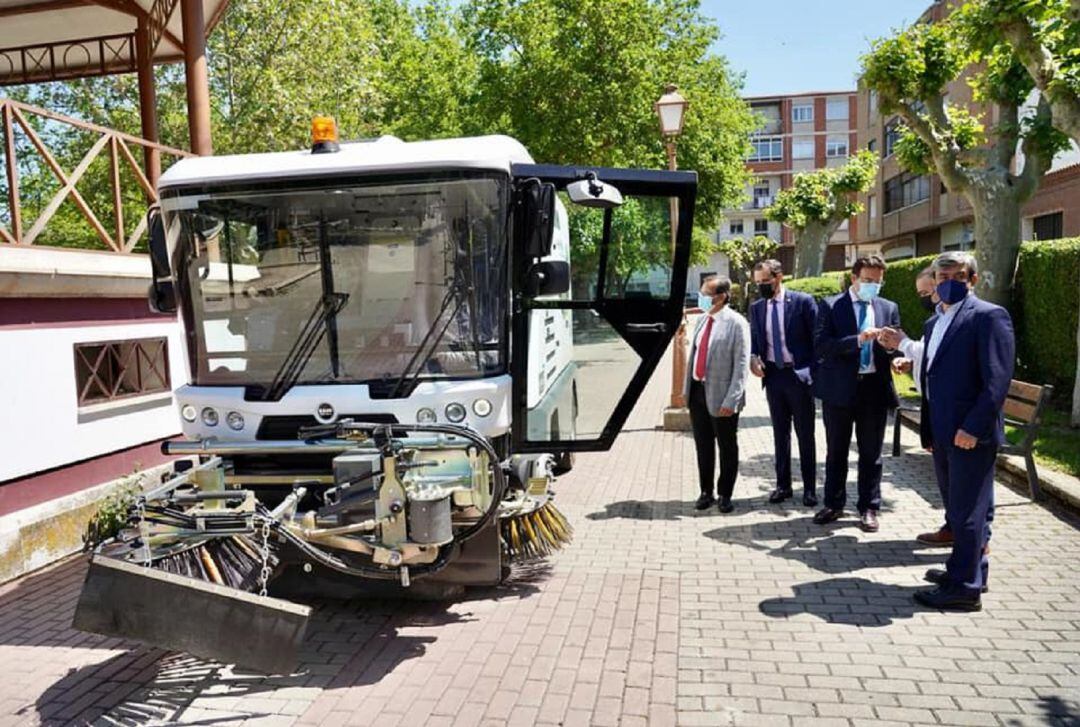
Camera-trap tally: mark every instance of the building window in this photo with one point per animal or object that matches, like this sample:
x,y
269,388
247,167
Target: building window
x,y
871,203
802,148
1048,227
802,112
871,105
767,149
836,146
836,109
871,145
761,227
905,190
736,227
121,369
892,135
762,194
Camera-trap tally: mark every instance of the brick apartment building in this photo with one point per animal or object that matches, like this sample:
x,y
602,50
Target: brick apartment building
x,y
908,215
799,132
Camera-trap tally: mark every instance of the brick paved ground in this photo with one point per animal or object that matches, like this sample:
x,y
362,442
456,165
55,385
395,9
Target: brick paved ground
x,y
656,615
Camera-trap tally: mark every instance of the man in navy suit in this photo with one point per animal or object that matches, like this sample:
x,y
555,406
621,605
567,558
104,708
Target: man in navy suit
x,y
854,383
782,343
967,368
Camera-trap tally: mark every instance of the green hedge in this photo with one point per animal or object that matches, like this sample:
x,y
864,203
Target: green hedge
x,y
822,287
1046,303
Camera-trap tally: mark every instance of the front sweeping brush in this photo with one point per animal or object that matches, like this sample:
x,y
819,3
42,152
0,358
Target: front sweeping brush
x,y
231,561
528,535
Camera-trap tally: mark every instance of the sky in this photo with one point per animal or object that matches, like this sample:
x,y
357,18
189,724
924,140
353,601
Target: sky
x,y
786,46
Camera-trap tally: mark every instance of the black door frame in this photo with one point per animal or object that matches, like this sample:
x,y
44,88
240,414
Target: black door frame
x,y
647,325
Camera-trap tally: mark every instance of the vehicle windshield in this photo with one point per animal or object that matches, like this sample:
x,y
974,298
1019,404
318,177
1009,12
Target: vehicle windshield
x,y
390,280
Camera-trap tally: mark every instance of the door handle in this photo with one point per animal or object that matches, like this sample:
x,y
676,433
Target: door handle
x,y
647,327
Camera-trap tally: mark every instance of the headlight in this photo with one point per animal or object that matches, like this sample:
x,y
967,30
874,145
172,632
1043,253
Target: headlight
x,y
455,412
481,407
426,416
235,420
189,413
210,417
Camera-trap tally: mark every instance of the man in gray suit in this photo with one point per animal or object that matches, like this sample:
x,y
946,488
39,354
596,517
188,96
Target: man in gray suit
x,y
715,389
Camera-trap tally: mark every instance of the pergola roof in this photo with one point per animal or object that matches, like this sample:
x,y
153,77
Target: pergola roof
x,y
48,40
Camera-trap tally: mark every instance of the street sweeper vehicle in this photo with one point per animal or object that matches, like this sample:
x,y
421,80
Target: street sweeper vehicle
x,y
390,360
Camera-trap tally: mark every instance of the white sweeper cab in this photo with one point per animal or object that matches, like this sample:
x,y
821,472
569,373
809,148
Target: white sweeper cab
x,y
393,348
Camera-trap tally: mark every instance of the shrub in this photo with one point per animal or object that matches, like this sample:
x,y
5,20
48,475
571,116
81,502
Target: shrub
x,y
1046,304
820,287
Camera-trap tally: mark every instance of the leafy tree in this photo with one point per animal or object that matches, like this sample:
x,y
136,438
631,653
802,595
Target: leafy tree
x,y
1044,35
910,72
742,254
817,203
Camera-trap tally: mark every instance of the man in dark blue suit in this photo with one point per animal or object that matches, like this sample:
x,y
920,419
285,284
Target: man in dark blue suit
x,y
967,369
854,383
782,344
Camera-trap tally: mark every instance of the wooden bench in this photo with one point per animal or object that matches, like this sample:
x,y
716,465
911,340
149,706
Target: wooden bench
x,y
1023,410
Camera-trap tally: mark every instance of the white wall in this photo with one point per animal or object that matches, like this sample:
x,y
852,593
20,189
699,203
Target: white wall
x,y
39,415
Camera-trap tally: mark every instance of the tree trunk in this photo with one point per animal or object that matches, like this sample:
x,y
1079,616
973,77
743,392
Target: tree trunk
x,y
997,240
810,248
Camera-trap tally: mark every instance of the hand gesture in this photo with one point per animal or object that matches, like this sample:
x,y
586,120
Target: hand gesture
x,y
869,335
890,338
902,365
963,440
756,368
726,411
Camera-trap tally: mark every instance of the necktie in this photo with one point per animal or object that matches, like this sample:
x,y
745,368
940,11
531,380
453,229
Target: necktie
x,y
866,350
703,351
777,332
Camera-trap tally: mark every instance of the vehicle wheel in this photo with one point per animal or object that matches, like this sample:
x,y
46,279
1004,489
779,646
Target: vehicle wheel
x,y
564,462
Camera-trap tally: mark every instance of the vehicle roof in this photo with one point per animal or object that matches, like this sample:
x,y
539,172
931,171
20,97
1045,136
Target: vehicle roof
x,y
385,154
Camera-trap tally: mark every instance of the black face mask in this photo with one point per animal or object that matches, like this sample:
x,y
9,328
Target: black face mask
x,y
766,290
927,302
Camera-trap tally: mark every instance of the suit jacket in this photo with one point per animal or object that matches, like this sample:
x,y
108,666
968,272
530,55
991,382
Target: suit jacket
x,y
727,362
965,386
836,341
800,311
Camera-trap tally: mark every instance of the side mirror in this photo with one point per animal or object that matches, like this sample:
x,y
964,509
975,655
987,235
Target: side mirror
x,y
551,277
591,192
536,217
162,292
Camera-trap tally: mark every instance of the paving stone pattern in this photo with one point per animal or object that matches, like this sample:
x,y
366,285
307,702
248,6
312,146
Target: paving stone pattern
x,y
656,615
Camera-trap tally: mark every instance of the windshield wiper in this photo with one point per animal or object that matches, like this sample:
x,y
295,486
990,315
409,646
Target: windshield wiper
x,y
311,334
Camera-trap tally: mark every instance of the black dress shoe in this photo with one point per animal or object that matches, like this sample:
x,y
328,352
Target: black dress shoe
x,y
779,495
809,499
725,505
827,515
940,577
704,501
944,600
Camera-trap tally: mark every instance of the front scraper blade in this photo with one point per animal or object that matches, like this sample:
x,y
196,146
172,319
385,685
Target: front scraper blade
x,y
184,614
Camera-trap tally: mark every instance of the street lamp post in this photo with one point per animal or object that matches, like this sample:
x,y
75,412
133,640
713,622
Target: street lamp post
x,y
671,110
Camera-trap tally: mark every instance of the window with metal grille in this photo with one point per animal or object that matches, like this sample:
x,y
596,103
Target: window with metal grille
x,y
904,190
892,135
1048,227
761,227
111,370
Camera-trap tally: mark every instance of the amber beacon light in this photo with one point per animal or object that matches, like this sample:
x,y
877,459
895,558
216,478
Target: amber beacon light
x,y
324,136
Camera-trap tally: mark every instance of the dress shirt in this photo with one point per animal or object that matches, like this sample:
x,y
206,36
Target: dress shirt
x,y
779,303
945,319
869,324
914,350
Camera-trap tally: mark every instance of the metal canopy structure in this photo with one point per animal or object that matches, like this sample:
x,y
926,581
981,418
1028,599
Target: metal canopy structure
x,y
54,40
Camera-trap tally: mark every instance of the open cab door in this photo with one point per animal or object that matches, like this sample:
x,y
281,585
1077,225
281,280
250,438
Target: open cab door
x,y
598,293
